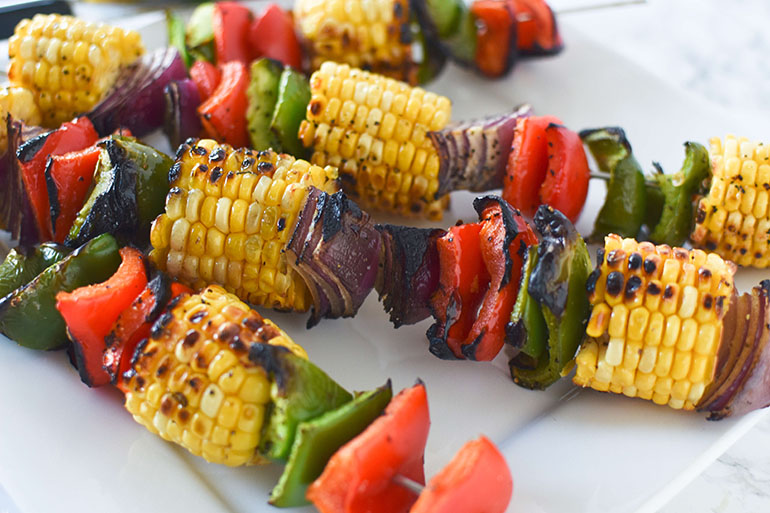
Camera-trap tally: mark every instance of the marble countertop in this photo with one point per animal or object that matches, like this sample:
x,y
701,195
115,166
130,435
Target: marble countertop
x,y
718,50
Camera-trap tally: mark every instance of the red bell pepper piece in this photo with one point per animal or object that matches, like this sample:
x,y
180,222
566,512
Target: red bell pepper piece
x,y
91,311
231,22
272,35
359,476
476,480
496,36
537,33
68,179
134,324
487,335
206,77
527,163
566,184
462,282
547,165
223,115
73,135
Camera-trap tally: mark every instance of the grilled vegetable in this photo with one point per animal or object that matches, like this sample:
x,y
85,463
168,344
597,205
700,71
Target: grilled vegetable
x,y
677,218
624,209
536,30
272,36
372,35
19,103
67,63
375,131
129,187
557,285
32,157
19,268
546,166
29,314
318,439
496,39
90,312
180,120
230,22
657,322
224,383
68,179
480,273
733,219
200,33
360,476
206,77
476,479
223,113
228,218
293,97
262,96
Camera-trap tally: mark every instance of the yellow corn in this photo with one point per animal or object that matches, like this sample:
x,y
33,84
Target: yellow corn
x,y
733,220
373,129
193,383
67,63
374,34
229,215
20,104
656,322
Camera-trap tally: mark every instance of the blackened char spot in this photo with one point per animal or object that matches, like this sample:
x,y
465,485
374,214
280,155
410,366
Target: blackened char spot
x,y
633,284
217,155
216,173
615,282
174,172
634,261
593,278
270,359
653,289
650,265
160,325
668,292
29,149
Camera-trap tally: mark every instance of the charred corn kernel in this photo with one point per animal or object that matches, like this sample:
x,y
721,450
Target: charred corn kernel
x,y
733,218
377,137
81,60
228,216
654,332
195,386
19,103
373,34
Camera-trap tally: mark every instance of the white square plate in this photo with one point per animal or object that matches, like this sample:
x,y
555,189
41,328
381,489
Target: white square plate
x,y
66,448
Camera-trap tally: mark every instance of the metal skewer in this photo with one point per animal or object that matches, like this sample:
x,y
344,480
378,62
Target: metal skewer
x,y
586,8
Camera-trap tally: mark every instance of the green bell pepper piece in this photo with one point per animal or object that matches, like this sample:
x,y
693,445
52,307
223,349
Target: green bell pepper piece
x,y
290,109
177,37
318,439
624,208
262,95
200,33
29,314
300,391
528,328
677,218
19,269
558,284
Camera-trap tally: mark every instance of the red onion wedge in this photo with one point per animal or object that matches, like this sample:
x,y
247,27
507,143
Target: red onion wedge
x,y
136,99
181,120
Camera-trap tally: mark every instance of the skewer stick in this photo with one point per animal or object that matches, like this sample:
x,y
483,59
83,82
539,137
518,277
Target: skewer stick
x,y
586,8
409,484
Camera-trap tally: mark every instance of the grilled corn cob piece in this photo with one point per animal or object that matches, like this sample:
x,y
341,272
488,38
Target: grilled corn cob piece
x,y
229,215
374,35
374,130
193,383
656,321
733,220
68,63
20,104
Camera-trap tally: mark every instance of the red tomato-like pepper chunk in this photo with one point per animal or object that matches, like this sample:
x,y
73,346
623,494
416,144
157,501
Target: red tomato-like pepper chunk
x,y
476,480
272,35
496,36
206,77
527,163
68,178
73,135
359,476
231,22
566,183
503,264
537,33
223,114
463,279
91,311
547,165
